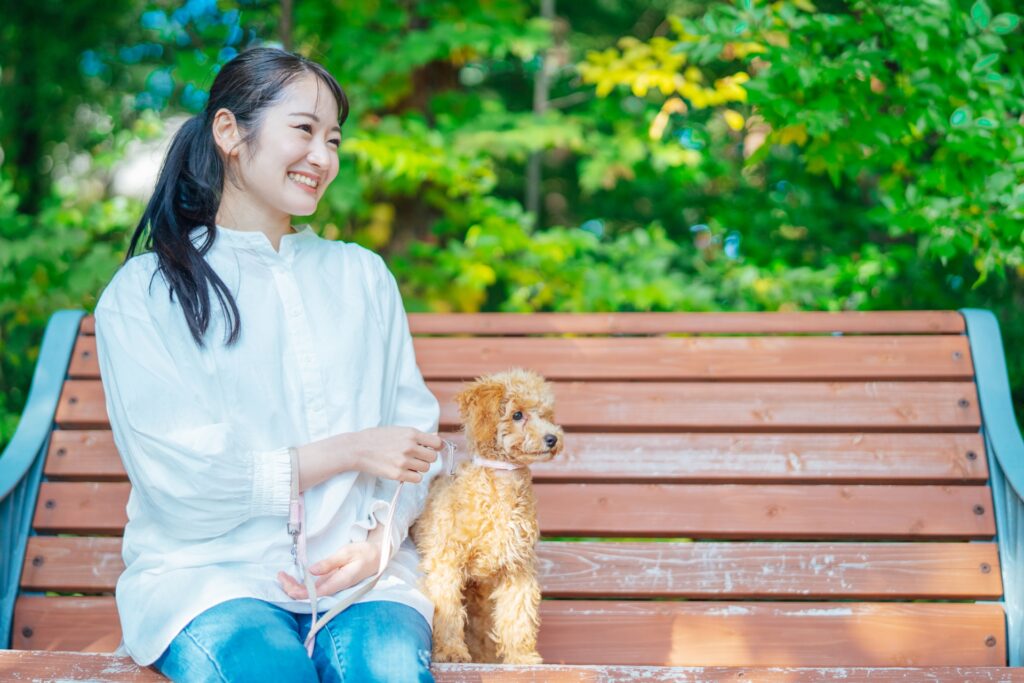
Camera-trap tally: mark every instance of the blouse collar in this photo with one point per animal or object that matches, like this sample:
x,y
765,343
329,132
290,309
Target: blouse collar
x,y
255,240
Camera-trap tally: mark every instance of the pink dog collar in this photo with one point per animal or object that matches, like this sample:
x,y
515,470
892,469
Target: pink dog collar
x,y
495,464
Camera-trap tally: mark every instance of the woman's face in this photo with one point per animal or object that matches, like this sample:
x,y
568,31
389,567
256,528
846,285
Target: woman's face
x,y
295,156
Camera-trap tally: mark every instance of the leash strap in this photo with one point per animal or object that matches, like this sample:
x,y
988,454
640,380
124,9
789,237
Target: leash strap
x,y
296,521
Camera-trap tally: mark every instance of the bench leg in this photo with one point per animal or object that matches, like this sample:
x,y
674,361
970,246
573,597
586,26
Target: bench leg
x,y
516,619
443,585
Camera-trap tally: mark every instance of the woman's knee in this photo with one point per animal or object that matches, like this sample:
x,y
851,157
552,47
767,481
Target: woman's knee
x,y
238,640
381,641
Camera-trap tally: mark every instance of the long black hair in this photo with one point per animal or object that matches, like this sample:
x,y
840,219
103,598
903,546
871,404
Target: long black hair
x,y
188,190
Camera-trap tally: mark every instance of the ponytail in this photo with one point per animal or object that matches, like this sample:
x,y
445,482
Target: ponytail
x,y
187,195
188,189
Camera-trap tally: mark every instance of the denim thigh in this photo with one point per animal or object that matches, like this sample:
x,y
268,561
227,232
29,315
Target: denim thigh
x,y
244,639
378,641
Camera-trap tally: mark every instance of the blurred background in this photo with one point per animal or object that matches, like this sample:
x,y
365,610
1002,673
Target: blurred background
x,y
543,155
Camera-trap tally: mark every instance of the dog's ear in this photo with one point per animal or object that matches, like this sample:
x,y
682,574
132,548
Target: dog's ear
x,y
480,406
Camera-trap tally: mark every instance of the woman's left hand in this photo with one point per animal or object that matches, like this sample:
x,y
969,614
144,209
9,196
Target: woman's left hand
x,y
343,569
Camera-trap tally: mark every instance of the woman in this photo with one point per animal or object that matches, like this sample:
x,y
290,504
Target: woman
x,y
303,356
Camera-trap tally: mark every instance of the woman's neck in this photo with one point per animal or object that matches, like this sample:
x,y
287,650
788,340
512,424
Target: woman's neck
x,y
248,216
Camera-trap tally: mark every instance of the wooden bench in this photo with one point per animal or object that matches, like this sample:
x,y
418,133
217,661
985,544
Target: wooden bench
x,y
760,496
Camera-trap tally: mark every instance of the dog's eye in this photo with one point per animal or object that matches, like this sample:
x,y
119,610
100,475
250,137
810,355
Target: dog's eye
x,y
517,416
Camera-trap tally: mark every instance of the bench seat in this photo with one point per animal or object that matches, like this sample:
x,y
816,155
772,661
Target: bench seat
x,y
771,496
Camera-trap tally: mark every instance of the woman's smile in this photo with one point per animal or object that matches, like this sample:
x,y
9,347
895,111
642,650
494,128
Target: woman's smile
x,y
306,182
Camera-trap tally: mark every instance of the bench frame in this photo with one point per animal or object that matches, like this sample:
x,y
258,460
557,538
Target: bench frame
x,y
1005,449
21,464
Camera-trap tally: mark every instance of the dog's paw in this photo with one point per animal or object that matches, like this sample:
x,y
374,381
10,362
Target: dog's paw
x,y
453,654
523,658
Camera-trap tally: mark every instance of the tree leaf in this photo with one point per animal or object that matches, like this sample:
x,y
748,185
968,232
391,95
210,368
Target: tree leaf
x,y
981,14
986,61
1005,23
960,117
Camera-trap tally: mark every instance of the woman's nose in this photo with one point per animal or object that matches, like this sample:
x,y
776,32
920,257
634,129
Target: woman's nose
x,y
318,155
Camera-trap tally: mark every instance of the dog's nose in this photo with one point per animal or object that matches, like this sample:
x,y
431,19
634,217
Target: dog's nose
x,y
550,440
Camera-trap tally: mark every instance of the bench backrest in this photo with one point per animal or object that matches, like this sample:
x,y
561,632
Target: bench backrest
x,y
737,489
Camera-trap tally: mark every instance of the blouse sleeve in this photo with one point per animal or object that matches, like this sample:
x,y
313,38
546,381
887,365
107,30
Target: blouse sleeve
x,y
191,471
413,406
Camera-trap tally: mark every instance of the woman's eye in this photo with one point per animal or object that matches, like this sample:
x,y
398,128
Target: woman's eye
x,y
336,142
517,416
305,127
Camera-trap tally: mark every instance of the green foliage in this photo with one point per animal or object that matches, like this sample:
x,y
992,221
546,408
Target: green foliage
x,y
696,156
57,258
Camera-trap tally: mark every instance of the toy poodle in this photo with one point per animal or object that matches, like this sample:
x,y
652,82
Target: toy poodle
x,y
478,533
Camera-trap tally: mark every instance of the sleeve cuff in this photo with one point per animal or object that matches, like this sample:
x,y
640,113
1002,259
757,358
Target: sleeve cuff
x,y
378,515
272,483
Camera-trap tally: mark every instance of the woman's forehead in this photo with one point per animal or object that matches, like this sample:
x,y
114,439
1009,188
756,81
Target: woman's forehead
x,y
307,94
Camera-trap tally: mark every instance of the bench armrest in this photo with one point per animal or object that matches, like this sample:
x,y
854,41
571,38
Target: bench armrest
x,y
1006,465
21,463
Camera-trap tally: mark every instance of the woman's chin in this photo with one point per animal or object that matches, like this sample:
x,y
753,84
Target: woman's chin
x,y
306,208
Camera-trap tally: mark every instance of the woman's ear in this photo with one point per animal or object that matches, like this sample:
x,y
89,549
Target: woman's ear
x,y
226,134
480,409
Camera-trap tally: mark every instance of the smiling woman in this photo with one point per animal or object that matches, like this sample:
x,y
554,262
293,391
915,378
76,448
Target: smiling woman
x,y
286,170
316,399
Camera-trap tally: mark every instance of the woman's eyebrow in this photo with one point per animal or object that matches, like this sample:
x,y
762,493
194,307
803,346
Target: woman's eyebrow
x,y
314,117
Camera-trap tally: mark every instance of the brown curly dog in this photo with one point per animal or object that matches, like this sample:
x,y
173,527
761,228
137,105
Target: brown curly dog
x,y
478,533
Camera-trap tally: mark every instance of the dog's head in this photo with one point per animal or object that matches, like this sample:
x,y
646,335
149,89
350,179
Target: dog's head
x,y
509,416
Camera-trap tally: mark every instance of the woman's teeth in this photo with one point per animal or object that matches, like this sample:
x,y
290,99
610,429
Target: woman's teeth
x,y
303,179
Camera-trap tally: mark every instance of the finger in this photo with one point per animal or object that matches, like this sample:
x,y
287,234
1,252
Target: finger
x,y
346,577
410,477
422,454
292,588
329,564
432,441
417,465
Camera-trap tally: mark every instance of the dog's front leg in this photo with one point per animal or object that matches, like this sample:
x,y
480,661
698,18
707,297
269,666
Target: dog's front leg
x,y
516,617
443,585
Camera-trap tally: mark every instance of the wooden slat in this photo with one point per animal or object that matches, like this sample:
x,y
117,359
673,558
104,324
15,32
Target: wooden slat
x,y
696,358
765,511
739,458
772,634
797,406
65,564
854,322
880,322
865,571
667,458
78,624
34,665
662,633
81,507
698,406
38,665
950,571
676,510
559,673
701,358
83,454
84,362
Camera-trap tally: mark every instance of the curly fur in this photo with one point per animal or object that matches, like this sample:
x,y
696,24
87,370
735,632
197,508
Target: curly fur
x,y
478,533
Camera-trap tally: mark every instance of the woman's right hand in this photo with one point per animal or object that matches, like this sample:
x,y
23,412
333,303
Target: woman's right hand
x,y
399,453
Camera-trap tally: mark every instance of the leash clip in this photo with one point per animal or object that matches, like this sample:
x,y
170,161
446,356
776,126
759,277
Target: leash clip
x,y
448,457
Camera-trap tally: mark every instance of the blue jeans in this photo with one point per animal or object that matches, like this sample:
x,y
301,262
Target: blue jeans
x,y
246,639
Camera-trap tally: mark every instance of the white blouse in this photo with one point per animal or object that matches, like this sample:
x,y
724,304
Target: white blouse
x,y
204,433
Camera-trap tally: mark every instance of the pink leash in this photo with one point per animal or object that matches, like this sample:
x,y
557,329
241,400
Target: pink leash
x,y
296,519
